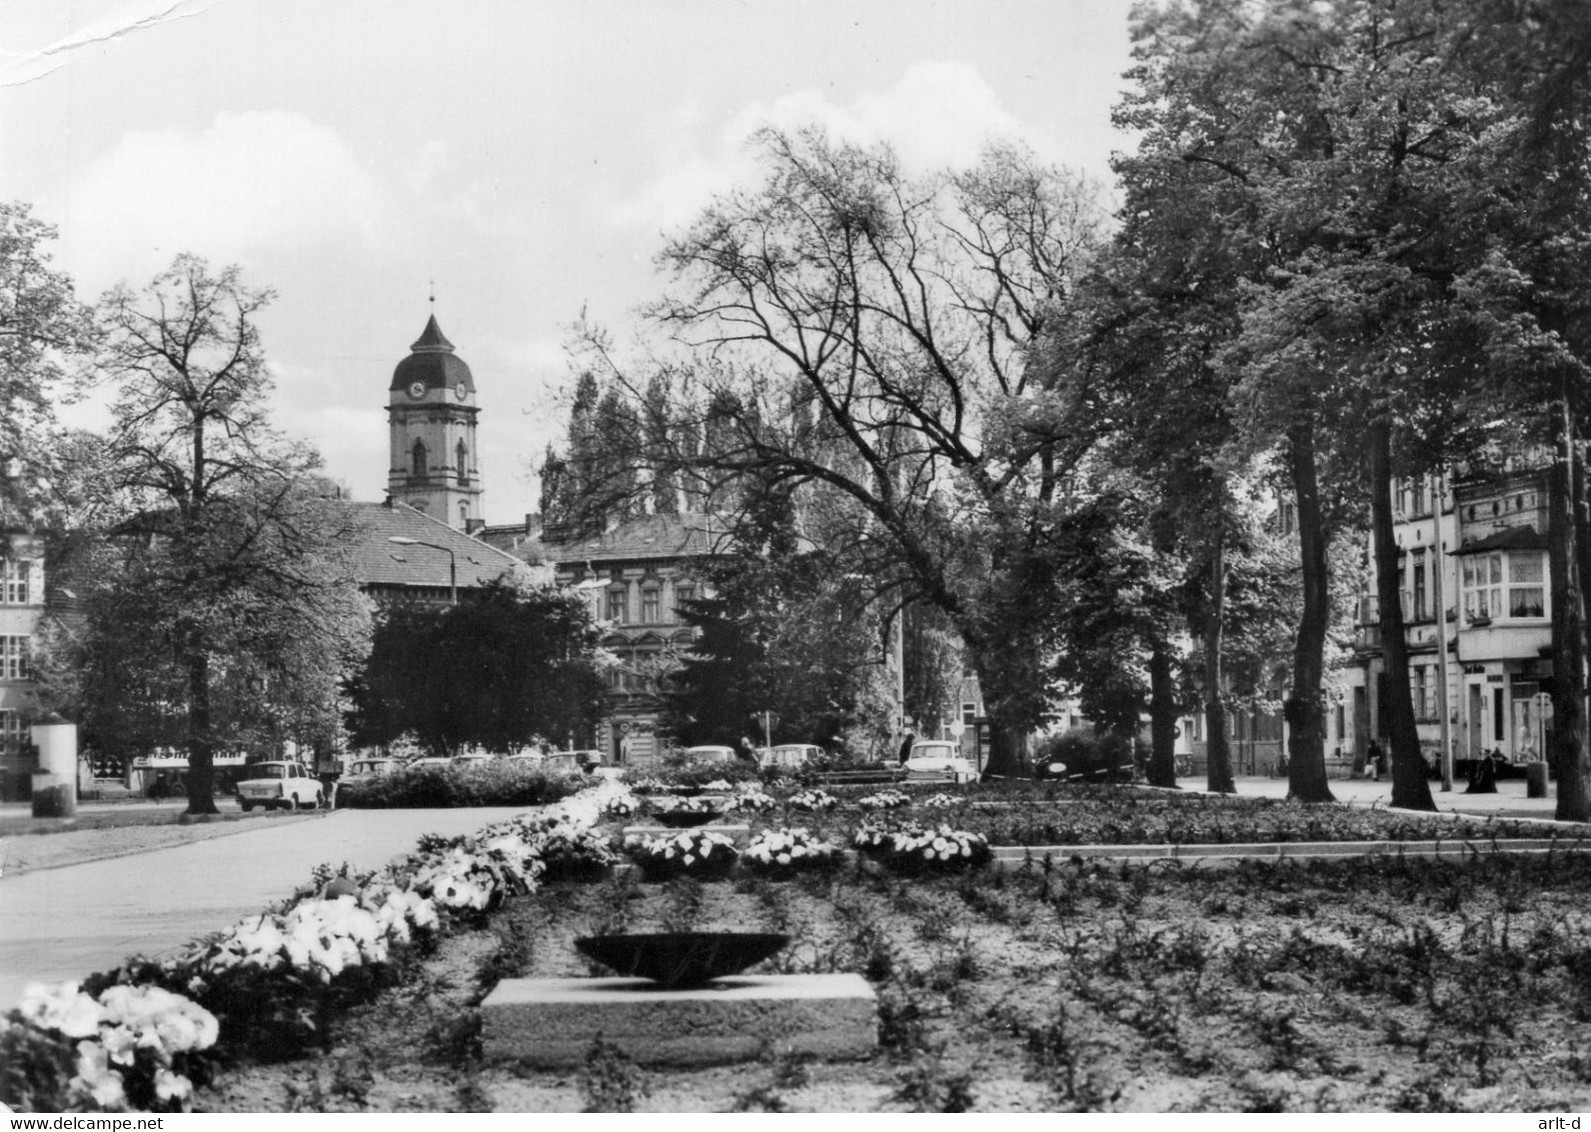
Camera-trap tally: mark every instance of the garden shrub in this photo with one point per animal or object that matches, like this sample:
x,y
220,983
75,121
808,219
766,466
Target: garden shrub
x,y
497,783
1091,755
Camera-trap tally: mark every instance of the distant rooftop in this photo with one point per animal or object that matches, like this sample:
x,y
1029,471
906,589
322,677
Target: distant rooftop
x,y
648,536
383,563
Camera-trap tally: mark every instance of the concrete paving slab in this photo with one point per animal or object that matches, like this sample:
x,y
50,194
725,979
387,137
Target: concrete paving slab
x,y
553,1022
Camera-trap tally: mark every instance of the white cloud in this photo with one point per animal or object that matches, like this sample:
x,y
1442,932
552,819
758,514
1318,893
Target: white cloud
x,y
262,180
940,114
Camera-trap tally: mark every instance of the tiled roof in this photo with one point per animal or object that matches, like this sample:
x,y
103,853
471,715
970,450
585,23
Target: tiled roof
x,y
383,563
649,536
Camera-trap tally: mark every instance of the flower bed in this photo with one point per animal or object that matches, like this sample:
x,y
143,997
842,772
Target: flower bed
x,y
916,849
695,852
269,987
785,851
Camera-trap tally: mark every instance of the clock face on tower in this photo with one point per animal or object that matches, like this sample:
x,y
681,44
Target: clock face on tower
x,y
460,392
417,389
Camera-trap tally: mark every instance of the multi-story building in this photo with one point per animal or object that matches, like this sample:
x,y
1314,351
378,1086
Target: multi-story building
x,y
1473,559
637,577
21,607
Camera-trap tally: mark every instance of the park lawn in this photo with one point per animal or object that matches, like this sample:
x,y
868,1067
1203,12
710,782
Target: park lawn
x,y
1366,985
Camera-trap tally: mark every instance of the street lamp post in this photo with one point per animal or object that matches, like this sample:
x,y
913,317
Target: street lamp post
x,y
452,563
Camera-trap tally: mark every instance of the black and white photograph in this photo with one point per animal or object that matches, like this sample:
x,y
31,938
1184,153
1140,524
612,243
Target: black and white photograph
x,y
849,556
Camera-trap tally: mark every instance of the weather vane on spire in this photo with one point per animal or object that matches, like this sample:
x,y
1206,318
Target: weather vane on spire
x,y
431,290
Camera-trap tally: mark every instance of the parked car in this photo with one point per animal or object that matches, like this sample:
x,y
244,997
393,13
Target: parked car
x,y
468,761
284,784
789,754
362,769
711,754
428,761
527,758
584,760
933,760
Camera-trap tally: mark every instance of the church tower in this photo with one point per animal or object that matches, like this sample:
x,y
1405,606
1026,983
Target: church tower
x,y
431,413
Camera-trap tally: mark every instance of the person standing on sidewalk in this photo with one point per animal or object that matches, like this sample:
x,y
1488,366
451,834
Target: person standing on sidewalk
x,y
1375,761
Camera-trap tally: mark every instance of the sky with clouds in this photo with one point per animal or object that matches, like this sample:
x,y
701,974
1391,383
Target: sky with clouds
x,y
527,155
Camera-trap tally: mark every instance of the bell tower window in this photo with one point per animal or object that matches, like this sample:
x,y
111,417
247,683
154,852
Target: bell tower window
x,y
418,460
461,454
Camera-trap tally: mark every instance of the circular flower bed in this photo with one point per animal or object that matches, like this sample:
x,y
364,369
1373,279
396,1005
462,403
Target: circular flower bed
x,y
695,853
778,851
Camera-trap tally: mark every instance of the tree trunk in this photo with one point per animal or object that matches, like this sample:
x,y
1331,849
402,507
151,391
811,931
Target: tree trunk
x,y
1410,790
1162,717
1568,749
201,748
1304,710
1217,757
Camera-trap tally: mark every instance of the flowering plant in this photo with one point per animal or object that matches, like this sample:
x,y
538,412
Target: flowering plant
x,y
572,853
130,1047
753,799
695,852
884,800
719,784
622,806
940,801
817,800
875,838
695,806
914,848
790,850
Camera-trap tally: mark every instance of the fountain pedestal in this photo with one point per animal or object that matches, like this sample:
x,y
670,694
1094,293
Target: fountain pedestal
x,y
552,1022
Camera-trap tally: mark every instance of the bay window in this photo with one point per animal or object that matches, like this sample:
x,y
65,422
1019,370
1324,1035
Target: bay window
x,y
1504,585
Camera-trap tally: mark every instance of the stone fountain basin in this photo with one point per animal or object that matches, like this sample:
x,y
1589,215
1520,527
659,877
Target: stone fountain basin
x,y
682,959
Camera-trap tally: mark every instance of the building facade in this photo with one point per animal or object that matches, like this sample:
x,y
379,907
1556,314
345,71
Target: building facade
x,y
637,577
21,609
1473,573
431,414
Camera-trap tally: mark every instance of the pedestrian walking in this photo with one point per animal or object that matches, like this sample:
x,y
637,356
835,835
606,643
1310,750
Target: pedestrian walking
x,y
906,747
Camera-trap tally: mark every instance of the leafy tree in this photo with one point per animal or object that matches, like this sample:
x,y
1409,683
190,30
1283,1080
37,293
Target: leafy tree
x,y
785,632
42,326
900,311
232,583
502,669
269,585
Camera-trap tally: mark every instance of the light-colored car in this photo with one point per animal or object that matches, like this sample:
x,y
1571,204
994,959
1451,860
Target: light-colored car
x,y
469,761
428,761
584,759
283,784
789,754
527,758
361,769
711,754
934,760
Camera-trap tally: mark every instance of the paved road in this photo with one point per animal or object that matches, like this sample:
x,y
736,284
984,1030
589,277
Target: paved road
x,y
69,922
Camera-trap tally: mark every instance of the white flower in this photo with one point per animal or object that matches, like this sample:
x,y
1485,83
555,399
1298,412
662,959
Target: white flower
x,y
63,1008
96,1078
169,1086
